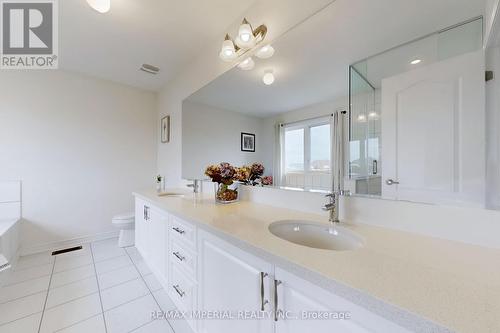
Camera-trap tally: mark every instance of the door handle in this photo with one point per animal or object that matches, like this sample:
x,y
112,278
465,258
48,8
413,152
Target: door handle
x,y
178,290
276,303
391,182
179,230
263,301
179,256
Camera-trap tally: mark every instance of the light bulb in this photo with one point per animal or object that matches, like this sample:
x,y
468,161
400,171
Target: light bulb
x,y
247,64
373,114
416,61
227,52
245,32
268,78
265,52
245,37
102,6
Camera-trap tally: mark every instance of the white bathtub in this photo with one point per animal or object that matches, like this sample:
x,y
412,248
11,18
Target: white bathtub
x,y
10,222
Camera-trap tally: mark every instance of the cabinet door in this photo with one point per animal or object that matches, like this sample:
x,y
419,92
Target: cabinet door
x,y
299,304
157,239
141,225
230,283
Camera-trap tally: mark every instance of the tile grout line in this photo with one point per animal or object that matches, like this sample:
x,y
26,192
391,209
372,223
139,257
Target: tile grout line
x,y
47,295
23,317
98,289
151,292
21,297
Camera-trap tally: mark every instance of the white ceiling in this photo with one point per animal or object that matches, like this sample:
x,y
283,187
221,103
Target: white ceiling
x,y
311,61
164,33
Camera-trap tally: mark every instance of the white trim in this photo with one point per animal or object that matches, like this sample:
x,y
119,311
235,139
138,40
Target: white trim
x,y
51,246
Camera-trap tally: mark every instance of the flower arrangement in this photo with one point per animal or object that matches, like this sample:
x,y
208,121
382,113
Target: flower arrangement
x,y
224,174
251,175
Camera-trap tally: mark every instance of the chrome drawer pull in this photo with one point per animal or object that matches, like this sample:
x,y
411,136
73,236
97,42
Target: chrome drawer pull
x,y
277,311
178,290
179,256
179,230
263,301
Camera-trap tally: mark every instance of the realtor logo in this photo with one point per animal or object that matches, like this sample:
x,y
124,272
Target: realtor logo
x,y
29,34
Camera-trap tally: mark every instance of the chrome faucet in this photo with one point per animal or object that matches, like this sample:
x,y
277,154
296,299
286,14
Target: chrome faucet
x,y
196,185
332,206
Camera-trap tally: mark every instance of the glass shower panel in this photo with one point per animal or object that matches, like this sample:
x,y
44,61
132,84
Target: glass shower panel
x,y
364,161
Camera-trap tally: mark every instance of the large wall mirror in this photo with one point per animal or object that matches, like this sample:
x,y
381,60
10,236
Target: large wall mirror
x,y
415,126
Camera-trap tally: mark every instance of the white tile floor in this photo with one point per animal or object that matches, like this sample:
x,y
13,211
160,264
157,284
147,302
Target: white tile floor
x,y
100,289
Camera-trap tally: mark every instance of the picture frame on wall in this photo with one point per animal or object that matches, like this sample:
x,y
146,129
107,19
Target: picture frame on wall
x,y
165,129
248,142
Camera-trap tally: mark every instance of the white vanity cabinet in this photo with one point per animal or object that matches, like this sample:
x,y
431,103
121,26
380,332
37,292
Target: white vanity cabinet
x,y
182,286
151,236
233,283
299,303
207,277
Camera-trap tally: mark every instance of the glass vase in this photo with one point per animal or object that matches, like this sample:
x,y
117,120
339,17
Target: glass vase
x,y
225,194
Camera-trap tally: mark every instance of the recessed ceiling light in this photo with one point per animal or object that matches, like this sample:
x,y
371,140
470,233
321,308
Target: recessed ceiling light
x,y
102,6
268,78
361,118
149,69
416,61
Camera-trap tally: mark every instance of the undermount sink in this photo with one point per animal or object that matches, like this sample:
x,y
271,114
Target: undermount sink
x,y
171,194
315,235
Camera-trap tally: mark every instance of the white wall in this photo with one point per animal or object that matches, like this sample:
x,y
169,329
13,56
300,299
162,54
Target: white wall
x,y
491,7
211,136
80,146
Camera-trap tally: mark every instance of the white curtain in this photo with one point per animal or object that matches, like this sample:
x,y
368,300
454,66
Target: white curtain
x,y
279,138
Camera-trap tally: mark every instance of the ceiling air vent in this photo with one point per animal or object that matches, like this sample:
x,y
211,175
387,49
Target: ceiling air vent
x,y
149,69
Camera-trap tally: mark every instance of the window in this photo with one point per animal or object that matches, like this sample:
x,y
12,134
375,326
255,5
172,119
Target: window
x,y
307,154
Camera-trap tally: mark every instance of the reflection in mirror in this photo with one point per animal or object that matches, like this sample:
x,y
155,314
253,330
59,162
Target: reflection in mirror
x,y
290,117
418,121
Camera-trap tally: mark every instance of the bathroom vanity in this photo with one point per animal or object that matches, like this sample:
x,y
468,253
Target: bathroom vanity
x,y
220,260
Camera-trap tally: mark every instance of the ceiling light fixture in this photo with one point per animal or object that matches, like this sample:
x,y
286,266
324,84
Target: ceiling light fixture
x,y
268,77
265,52
102,6
247,39
416,61
247,64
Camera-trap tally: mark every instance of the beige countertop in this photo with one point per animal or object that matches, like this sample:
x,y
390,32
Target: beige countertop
x,y
452,284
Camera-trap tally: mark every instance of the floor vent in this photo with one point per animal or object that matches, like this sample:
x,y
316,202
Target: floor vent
x,y
70,249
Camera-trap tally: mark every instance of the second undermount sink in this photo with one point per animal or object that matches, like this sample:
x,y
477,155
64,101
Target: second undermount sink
x,y
170,194
315,235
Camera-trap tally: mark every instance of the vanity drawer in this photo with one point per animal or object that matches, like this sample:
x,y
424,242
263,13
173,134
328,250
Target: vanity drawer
x,y
183,257
182,289
183,230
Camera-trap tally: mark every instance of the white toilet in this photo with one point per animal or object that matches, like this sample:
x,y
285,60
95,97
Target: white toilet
x,y
126,224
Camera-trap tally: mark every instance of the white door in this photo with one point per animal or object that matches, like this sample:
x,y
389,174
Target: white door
x,y
231,281
433,141
157,239
303,307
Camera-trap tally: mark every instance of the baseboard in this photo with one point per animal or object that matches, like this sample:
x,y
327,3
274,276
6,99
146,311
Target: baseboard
x,y
67,243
